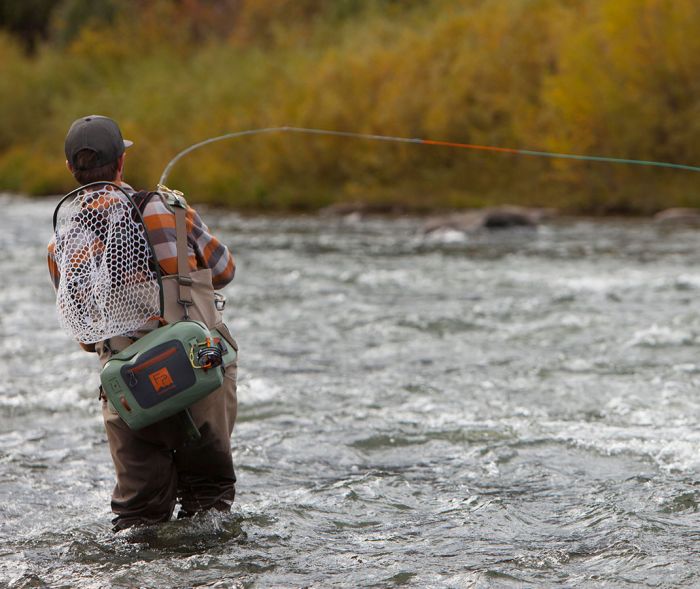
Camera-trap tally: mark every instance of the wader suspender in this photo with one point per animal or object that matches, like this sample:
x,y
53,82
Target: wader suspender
x,y
184,296
184,281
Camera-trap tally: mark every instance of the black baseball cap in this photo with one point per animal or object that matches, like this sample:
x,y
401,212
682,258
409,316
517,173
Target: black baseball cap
x,y
98,134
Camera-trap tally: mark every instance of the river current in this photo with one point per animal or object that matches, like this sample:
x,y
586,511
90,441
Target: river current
x,y
506,409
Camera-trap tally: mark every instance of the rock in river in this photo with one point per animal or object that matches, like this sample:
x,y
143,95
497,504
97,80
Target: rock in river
x,y
678,216
504,217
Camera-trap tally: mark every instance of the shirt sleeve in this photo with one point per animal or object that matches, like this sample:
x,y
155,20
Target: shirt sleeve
x,y
56,279
210,252
204,250
53,266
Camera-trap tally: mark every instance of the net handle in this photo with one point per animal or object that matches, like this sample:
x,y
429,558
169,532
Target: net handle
x,y
156,264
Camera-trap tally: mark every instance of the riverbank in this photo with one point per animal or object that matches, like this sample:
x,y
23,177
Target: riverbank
x,y
467,220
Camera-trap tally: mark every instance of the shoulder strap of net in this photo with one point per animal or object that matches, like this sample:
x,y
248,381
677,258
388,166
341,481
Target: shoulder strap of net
x,y
142,198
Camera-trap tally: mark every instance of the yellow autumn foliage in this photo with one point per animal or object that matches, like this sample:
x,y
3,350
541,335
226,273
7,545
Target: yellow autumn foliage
x,y
583,77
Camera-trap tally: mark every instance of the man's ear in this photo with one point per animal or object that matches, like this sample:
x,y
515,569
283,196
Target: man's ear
x,y
70,168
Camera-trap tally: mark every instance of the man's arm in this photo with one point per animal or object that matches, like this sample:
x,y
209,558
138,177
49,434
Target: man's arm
x,y
208,251
211,253
53,266
56,279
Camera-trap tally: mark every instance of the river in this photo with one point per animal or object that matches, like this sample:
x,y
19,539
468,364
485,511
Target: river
x,y
494,410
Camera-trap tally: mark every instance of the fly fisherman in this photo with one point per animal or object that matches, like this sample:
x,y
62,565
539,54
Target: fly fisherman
x,y
157,466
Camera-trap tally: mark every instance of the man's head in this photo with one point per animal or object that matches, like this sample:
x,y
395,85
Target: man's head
x,y
95,149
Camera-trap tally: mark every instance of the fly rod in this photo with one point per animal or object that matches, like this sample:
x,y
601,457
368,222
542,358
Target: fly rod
x,y
415,140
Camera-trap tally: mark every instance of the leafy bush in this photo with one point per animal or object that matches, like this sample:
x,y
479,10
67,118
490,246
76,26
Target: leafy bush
x,y
581,76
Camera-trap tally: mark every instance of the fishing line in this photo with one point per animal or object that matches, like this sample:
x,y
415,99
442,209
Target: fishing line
x,y
415,140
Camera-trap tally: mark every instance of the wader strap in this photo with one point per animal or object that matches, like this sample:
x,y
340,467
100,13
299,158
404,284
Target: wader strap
x,y
183,267
184,282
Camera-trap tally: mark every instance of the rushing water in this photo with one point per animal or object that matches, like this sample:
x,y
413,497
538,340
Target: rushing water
x,y
502,410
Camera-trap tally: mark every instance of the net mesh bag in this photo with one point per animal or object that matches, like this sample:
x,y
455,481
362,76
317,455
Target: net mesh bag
x,y
108,284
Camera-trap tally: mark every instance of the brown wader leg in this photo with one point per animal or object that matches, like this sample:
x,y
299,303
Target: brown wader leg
x,y
153,466
205,475
146,478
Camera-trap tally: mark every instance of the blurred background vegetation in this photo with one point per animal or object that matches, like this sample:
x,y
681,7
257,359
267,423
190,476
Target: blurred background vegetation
x,y
599,77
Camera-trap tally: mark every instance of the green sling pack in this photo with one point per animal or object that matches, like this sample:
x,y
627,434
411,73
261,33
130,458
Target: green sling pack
x,y
165,372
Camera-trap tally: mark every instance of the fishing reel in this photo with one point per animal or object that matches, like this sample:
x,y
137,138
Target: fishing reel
x,y
206,354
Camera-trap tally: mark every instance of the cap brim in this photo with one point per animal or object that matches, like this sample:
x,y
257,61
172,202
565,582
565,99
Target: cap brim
x,y
127,143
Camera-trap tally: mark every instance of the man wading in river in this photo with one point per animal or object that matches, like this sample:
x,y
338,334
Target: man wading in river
x,y
155,466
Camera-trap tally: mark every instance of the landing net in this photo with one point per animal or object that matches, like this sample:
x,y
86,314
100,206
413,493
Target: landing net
x,y
108,284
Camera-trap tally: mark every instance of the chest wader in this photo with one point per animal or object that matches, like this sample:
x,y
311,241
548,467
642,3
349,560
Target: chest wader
x,y
166,371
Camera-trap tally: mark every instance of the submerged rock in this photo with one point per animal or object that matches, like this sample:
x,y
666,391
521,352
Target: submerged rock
x,y
678,216
492,218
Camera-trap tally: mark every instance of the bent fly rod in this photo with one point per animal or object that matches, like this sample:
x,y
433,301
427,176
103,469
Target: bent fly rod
x,y
415,140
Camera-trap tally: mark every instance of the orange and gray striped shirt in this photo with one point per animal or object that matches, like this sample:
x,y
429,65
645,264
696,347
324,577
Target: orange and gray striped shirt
x,y
204,250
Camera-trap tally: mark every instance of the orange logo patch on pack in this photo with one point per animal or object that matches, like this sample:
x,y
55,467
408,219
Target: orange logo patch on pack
x,y
161,380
